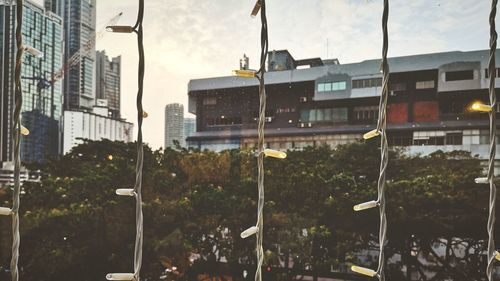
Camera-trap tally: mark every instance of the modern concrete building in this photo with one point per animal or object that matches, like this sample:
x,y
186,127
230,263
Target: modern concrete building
x,y
42,100
174,125
315,102
79,32
94,125
108,73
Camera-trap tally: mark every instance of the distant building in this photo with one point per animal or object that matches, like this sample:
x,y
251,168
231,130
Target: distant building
x,y
174,125
7,175
108,74
315,102
79,32
189,127
42,101
94,125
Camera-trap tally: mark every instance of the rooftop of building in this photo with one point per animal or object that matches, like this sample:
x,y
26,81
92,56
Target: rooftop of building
x,y
363,69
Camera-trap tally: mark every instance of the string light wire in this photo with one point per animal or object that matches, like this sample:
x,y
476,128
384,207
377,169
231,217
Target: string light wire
x,y
258,229
16,136
491,163
381,131
262,121
137,190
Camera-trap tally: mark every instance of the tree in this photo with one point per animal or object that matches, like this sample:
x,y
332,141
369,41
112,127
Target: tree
x,y
196,203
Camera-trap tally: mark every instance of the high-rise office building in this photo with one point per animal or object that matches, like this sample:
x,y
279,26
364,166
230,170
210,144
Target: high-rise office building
x,y
79,36
174,124
42,100
108,81
189,127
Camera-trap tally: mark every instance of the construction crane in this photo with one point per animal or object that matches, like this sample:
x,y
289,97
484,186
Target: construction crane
x,y
41,84
85,50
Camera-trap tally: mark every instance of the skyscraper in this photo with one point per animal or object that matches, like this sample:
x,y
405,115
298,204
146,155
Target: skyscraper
x,y
174,124
79,36
108,81
42,100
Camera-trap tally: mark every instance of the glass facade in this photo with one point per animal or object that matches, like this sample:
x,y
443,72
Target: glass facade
x,y
108,74
332,86
79,30
42,100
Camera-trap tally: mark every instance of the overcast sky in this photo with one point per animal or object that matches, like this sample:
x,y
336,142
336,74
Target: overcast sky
x,y
186,39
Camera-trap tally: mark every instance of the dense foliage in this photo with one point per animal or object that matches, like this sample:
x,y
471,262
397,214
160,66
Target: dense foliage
x,y
196,204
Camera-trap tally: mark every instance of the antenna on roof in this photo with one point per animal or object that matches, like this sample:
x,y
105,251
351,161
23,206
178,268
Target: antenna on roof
x,y
244,62
327,55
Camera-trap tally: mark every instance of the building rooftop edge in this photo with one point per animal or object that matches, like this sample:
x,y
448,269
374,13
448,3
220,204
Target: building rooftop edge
x,y
425,61
107,117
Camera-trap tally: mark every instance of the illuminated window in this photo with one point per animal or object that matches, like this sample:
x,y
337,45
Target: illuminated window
x,y
332,86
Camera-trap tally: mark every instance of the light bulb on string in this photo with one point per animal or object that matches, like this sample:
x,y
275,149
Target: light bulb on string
x,y
256,9
482,180
33,51
478,106
5,211
120,276
275,153
249,232
364,271
365,206
125,192
120,28
371,134
24,131
243,73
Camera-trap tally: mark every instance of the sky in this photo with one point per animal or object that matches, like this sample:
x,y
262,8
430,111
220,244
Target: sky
x,y
190,39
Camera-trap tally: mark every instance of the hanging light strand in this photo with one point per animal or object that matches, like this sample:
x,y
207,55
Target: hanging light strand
x,y
384,147
261,141
491,163
16,136
137,190
258,229
384,157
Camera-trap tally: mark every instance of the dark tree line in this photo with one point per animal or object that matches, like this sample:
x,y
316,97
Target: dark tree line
x,y
197,203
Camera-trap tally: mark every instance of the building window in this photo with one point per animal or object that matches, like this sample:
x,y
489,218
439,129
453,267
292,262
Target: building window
x,y
425,85
365,113
399,140
398,86
437,138
459,75
321,87
366,83
487,73
332,86
454,138
324,115
209,100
